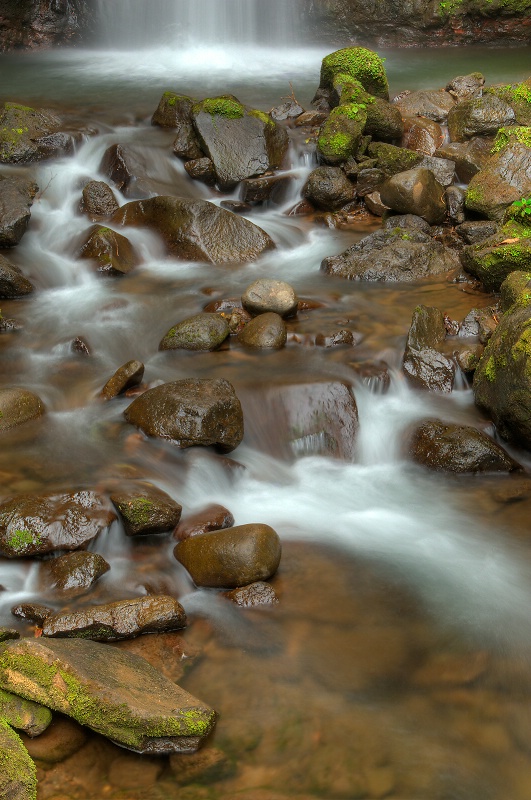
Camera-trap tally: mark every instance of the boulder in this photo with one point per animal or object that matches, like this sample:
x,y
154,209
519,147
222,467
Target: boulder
x,y
328,188
518,96
71,575
469,157
491,260
424,365
336,337
384,121
475,231
24,715
201,332
270,189
267,331
126,168
479,116
98,201
41,523
442,168
447,447
255,594
358,63
192,411
455,203
266,294
392,255
175,111
212,518
422,135
13,284
124,619
515,291
232,557
340,134
375,375
241,142
112,253
202,169
125,377
18,776
434,104
20,129
16,198
288,110
116,693
465,87
197,230
33,612
18,406
415,191
144,509
391,159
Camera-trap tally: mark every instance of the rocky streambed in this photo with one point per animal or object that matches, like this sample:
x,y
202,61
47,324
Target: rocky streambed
x,y
264,405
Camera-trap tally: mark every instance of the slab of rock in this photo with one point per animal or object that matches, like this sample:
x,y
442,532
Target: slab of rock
x,y
41,523
24,715
98,201
18,776
479,116
201,332
232,557
267,331
16,198
432,103
197,230
125,377
255,594
193,411
424,365
112,252
448,447
13,284
115,693
415,191
124,619
18,406
144,509
71,575
212,518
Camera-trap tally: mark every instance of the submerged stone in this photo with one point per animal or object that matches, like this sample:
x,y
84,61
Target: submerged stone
x,y
18,406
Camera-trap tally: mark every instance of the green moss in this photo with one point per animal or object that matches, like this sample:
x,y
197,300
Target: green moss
x,y
454,8
139,510
490,369
363,65
393,159
10,139
16,767
518,133
20,540
226,107
262,116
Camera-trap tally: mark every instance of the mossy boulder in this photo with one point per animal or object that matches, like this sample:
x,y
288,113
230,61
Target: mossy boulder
x,y
197,230
493,259
144,510
515,291
126,377
24,715
201,332
18,776
13,284
328,188
415,191
340,135
363,65
111,253
518,96
391,159
479,116
71,575
347,89
502,381
21,127
18,406
192,411
114,692
175,111
384,121
16,197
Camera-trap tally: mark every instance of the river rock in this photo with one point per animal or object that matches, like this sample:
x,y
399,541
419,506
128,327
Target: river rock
x,y
232,557
125,377
375,375
71,575
516,290
271,189
442,168
112,253
391,159
392,255
16,198
341,133
266,294
241,142
415,191
201,332
41,523
145,509
359,64
175,111
424,365
206,766
61,739
431,103
98,201
192,411
212,518
34,612
328,188
115,693
124,619
469,157
24,715
255,594
517,95
384,121
479,116
13,284
448,447
290,109
406,222
465,87
492,260
267,331
202,169
505,176
8,633
477,230
127,170
422,135
18,776
18,406
197,230
20,129
455,203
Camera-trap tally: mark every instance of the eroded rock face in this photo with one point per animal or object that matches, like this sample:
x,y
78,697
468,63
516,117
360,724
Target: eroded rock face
x,y
197,230
36,24
18,406
42,523
190,412
16,198
145,509
115,693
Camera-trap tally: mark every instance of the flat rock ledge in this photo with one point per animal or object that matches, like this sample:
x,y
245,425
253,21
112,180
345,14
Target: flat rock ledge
x,y
116,693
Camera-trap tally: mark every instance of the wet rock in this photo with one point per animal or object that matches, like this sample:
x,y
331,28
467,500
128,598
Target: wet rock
x,y
424,366
16,198
391,159
384,121
479,116
190,412
124,619
197,230
42,523
475,231
288,110
237,207
200,332
256,594
125,377
13,284
10,325
232,557
448,447
34,612
112,252
206,766
357,63
415,191
516,290
267,331
212,518
469,156
98,201
455,203
369,181
18,777
422,135
241,142
467,356
126,169
111,691
8,633
374,375
202,169
311,119
442,168
145,509
493,259
24,715
480,322
374,204
338,337
432,103
341,133
18,406
20,127
129,772
173,111
407,222
71,575
56,145
267,294
328,188
271,189
80,346
466,86
62,739
392,255
517,96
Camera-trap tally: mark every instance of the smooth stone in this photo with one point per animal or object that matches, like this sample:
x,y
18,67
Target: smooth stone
x,y
201,332
144,510
328,188
469,156
206,766
127,170
18,776
431,103
112,253
61,739
415,191
18,406
422,135
267,331
266,294
71,575
125,377
212,518
479,116
24,715
201,169
424,365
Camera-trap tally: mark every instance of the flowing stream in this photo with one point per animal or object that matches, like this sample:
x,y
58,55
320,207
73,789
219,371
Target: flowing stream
x,y
397,662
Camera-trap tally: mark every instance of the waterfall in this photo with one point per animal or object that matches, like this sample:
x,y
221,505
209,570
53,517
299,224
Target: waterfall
x,y
148,23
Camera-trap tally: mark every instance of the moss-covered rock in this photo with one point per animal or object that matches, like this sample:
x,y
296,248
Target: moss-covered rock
x,y
145,509
391,159
18,776
515,291
479,116
24,715
111,252
20,129
267,331
493,259
200,332
340,134
518,96
363,65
